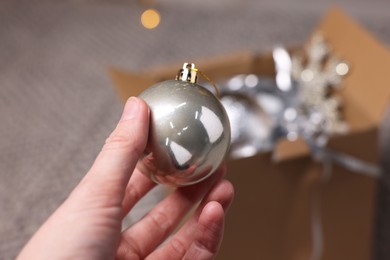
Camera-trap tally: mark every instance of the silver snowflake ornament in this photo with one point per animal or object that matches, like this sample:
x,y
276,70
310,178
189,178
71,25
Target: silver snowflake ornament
x,y
317,72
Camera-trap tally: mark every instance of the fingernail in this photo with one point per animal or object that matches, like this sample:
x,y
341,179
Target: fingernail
x,y
131,109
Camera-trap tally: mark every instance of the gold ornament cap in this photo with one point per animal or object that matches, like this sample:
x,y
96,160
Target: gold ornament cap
x,y
189,73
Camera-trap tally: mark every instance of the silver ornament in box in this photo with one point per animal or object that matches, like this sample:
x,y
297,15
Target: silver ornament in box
x,y
189,131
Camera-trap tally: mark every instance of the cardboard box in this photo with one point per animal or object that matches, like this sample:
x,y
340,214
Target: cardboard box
x,y
276,202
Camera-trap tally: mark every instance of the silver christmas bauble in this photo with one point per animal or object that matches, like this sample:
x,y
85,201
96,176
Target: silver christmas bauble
x,y
189,131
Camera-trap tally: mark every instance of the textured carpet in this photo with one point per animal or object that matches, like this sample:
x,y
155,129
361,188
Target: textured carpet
x,y
57,104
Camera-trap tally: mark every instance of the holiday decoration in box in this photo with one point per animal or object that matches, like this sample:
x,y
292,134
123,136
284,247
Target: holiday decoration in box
x,y
304,149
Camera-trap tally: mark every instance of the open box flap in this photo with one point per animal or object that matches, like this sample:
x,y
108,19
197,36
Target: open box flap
x,y
365,91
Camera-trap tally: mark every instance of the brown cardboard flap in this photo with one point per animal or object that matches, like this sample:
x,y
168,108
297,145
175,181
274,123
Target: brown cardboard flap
x,y
361,145
217,68
129,84
365,92
366,89
288,150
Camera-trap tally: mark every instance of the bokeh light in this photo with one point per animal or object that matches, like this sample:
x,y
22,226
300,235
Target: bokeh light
x,y
150,18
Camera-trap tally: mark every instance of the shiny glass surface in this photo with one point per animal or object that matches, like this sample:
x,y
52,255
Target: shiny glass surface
x,y
189,133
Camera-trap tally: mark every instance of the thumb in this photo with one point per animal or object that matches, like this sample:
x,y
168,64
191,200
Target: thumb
x,y
91,217
106,181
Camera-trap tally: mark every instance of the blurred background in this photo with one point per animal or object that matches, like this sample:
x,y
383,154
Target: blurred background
x,y
57,102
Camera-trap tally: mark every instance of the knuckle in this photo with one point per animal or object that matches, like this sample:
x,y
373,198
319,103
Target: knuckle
x,y
133,193
179,248
228,188
121,135
160,220
223,193
128,250
199,250
204,247
123,138
210,237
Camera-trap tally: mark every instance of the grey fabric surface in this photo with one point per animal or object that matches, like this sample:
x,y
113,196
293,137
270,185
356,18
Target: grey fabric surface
x,y
57,104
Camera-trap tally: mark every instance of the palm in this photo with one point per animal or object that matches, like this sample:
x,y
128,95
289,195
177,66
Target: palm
x,y
88,224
